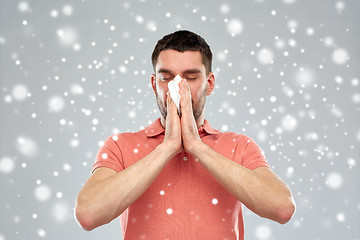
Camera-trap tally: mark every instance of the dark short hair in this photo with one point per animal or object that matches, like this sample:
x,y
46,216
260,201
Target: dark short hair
x,y
182,41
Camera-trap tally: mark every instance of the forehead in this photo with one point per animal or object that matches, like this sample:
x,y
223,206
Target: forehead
x,y
179,61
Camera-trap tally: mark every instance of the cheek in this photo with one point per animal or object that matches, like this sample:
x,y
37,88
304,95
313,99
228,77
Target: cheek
x,y
197,91
161,92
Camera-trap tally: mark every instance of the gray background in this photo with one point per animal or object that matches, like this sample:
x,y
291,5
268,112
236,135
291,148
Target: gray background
x,y
74,72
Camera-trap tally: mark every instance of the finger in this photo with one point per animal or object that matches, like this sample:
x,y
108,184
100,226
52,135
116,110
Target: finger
x,y
185,99
171,106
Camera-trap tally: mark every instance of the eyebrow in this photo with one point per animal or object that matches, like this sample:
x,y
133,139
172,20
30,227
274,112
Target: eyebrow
x,y
189,71
192,71
163,70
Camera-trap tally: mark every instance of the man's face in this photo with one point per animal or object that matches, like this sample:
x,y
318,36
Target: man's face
x,y
188,65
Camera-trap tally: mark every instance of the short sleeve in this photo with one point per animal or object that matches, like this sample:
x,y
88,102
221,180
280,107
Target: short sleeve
x,y
249,154
109,155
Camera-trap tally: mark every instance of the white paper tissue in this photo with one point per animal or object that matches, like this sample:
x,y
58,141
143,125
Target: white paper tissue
x,y
174,90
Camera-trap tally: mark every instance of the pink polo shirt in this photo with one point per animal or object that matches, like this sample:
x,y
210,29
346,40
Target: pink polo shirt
x,y
184,201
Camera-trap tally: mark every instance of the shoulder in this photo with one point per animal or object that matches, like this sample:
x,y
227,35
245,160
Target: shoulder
x,y
126,136
234,137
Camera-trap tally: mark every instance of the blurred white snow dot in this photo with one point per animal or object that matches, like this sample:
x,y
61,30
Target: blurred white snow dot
x,y
339,79
340,56
2,40
77,47
20,92
311,136
67,36
214,201
115,138
328,41
334,180
74,143
23,6
60,212
67,167
42,193
340,217
293,25
139,19
169,211
122,69
292,43
289,171
104,156
7,165
16,219
224,128
265,56
310,31
264,122
351,162
272,99
27,146
280,43
234,27
232,111
355,82
2,237
41,233
132,114
304,77
288,91
54,13
76,89
339,5
336,112
56,104
224,8
356,98
289,1
289,123
151,26
262,136
252,111
67,10
263,232
95,121
162,192
221,56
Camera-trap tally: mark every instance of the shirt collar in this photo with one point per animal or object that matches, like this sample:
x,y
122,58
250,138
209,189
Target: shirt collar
x,y
208,129
156,128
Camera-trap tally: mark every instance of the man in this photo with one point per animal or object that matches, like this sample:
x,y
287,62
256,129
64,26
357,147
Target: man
x,y
179,178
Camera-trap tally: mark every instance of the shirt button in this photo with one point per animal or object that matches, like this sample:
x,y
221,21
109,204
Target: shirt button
x,y
185,159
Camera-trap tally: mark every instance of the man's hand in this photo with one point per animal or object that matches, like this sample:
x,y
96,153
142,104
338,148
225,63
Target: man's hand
x,y
173,127
189,130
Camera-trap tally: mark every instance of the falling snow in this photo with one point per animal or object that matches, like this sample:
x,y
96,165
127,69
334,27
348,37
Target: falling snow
x,y
285,76
42,193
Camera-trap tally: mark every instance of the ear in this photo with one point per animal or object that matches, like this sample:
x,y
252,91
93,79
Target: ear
x,y
153,82
211,83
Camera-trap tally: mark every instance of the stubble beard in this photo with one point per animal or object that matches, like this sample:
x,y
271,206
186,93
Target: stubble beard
x,y
198,107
